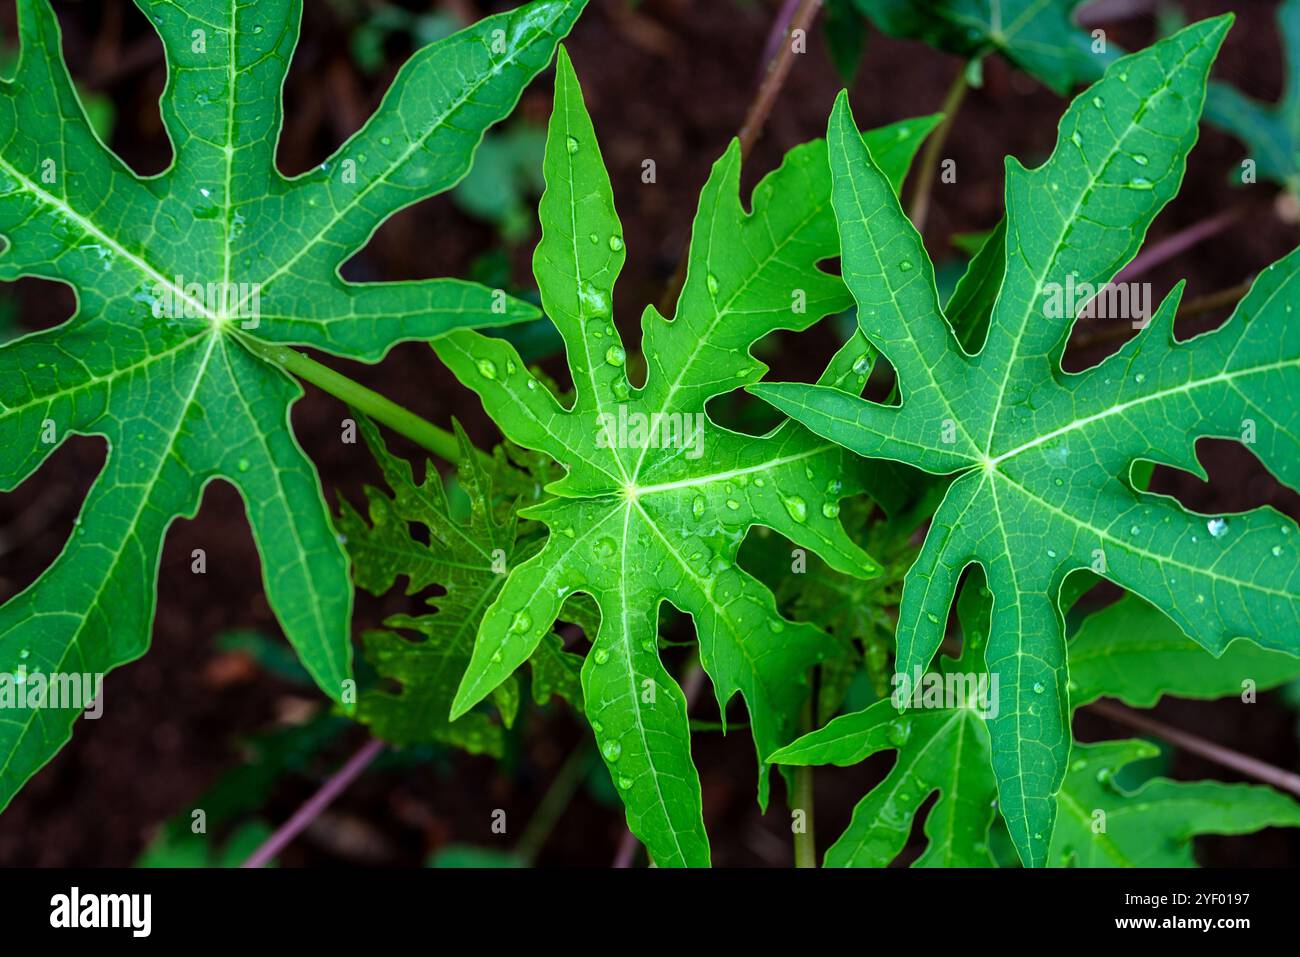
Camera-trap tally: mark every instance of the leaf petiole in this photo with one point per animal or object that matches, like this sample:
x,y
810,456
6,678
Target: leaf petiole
x,y
383,410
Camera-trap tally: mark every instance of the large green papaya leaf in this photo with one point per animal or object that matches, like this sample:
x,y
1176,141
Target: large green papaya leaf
x,y
657,498
1042,457
182,281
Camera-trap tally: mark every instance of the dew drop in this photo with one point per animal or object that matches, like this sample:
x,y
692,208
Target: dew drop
x,y
572,143
523,621
487,368
712,283
1140,159
615,243
601,656
242,465
612,750
594,301
1039,687
624,782
898,732
1218,527
1140,182
697,506
831,509
615,355
905,265
733,504
797,508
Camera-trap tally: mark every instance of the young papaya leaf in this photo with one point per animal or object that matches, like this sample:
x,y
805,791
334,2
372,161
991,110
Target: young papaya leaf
x,y
656,498
1038,36
1131,651
1270,131
942,746
469,560
182,281
1042,457
1101,825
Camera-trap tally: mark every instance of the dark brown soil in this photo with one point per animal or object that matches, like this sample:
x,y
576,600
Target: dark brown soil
x,y
670,81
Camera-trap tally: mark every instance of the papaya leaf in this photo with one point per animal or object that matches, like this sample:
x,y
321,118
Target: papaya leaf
x,y
1131,651
944,746
183,280
1038,36
656,498
1101,825
469,561
1042,457
1271,132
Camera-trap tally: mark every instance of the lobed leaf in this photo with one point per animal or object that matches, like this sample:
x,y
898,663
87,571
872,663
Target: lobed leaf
x,y
1038,36
1101,825
182,281
1133,652
636,522
469,560
944,747
1042,458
